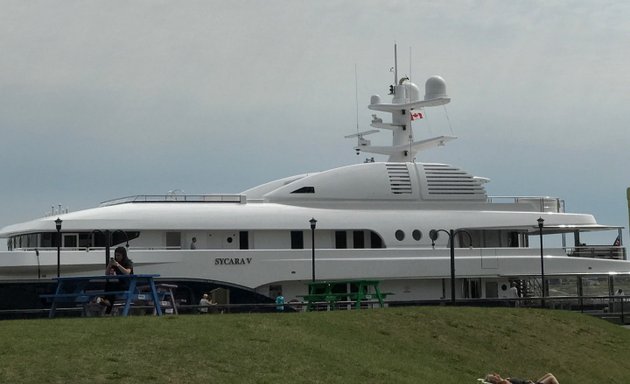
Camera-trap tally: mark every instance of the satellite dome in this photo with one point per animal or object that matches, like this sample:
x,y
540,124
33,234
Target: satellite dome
x,y
413,92
435,88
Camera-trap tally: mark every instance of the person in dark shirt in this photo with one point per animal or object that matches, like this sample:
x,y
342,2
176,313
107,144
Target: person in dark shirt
x,y
120,264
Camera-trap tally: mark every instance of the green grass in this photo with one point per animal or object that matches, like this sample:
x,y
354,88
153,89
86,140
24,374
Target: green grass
x,y
402,345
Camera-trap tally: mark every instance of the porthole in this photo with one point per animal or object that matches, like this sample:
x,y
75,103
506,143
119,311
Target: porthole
x,y
230,240
400,235
416,234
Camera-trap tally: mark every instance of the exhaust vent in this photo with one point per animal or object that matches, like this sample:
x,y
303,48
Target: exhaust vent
x,y
399,180
447,182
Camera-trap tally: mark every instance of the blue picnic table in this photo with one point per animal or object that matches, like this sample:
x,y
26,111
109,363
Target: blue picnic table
x,y
79,290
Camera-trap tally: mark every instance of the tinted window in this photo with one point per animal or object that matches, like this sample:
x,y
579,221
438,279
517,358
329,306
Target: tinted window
x,y
297,240
340,240
243,239
375,240
305,190
358,239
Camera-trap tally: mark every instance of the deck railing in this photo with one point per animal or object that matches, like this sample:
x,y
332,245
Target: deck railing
x,y
170,198
540,203
598,252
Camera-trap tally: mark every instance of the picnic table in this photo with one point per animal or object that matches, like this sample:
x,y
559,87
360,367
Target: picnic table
x,y
325,291
84,289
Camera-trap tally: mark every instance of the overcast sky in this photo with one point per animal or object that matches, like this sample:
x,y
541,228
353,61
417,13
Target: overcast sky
x,y
104,99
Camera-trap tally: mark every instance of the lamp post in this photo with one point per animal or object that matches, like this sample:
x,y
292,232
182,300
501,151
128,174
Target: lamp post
x,y
58,226
541,223
433,234
313,225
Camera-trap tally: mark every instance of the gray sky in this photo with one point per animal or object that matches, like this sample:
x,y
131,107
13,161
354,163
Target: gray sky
x,y
104,99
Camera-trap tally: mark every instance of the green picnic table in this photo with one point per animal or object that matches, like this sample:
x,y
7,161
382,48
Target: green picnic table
x,y
333,291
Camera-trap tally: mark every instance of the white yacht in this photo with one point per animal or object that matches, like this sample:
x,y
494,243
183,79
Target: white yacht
x,y
373,220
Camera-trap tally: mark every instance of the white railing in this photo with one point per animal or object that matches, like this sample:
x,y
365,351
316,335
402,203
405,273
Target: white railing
x,y
598,252
170,198
540,203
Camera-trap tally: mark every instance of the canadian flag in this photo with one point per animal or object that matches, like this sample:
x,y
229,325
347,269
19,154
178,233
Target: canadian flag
x,y
416,116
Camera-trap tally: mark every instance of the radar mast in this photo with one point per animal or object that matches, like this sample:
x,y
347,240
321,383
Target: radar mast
x,y
406,106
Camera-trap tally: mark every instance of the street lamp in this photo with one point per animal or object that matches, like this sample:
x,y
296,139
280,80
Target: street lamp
x,y
313,225
541,222
433,234
58,226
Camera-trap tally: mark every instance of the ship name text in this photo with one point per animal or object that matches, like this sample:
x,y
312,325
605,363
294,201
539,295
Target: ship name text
x,y
232,260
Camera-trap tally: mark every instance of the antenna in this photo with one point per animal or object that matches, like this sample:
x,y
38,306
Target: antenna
x,y
410,63
356,94
395,64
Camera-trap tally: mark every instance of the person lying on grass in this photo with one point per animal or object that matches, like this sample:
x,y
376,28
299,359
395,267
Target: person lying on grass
x,y
495,378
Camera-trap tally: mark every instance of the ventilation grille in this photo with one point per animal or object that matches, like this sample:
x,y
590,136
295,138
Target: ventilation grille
x,y
443,180
399,180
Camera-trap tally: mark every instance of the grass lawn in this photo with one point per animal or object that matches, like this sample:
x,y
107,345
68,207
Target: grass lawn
x,y
393,345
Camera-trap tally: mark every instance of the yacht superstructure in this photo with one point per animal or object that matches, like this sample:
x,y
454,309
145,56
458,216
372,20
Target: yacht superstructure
x,y
375,220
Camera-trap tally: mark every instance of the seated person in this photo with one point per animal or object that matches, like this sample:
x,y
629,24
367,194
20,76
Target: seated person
x,y
495,378
120,264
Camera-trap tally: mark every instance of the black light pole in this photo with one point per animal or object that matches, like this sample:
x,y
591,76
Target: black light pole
x,y
313,224
58,226
433,234
450,236
108,245
541,222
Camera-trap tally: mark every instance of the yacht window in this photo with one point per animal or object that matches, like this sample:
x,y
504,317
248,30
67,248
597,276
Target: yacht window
x,y
416,234
513,239
400,235
305,190
358,239
24,241
116,237
33,240
341,240
85,240
375,240
243,238
70,240
119,236
297,240
173,239
47,240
